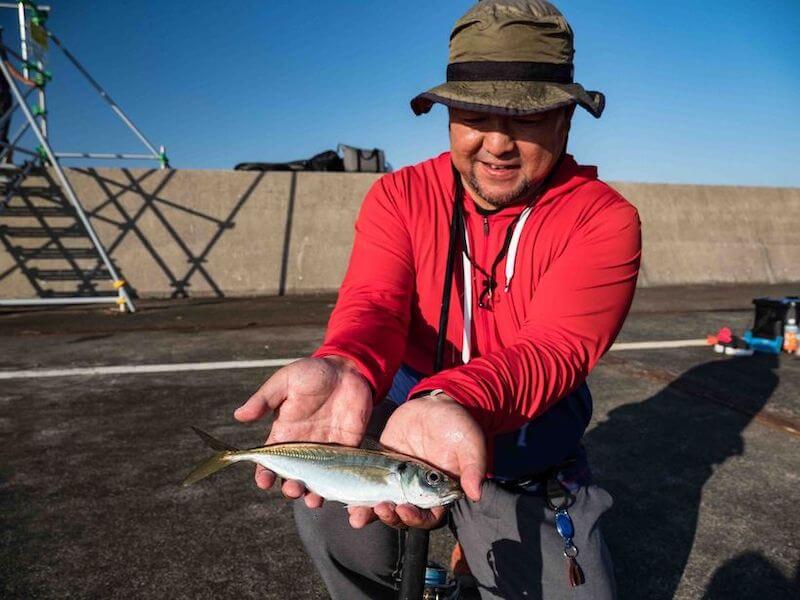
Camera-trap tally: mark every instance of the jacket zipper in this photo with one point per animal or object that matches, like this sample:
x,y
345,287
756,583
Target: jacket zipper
x,y
486,315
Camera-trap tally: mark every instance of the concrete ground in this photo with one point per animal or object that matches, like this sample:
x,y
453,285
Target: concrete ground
x,y
701,453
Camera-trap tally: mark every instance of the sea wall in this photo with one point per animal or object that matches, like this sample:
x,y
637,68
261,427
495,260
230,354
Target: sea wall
x,y
227,233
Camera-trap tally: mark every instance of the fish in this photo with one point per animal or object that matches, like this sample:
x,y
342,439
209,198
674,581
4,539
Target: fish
x,y
353,476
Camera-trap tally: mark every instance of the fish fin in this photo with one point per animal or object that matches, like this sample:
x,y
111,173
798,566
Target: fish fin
x,y
214,442
211,465
371,443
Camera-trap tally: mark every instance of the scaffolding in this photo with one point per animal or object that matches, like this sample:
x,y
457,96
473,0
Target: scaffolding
x,y
35,40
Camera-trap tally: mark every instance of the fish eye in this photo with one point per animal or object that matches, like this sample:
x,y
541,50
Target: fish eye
x,y
432,477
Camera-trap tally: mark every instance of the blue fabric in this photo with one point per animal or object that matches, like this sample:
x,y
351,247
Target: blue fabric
x,y
404,380
539,444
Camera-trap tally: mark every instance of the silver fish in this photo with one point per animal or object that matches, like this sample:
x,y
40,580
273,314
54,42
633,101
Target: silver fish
x,y
354,476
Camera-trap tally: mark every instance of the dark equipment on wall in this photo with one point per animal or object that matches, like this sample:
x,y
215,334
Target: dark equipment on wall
x,y
348,159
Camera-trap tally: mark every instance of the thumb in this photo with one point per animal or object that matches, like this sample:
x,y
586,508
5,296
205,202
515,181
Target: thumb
x,y
471,479
269,396
472,469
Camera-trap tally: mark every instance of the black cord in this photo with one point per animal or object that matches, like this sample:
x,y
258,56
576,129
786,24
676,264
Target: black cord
x,y
456,223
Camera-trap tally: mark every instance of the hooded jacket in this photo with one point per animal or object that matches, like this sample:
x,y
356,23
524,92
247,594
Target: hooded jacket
x,y
531,344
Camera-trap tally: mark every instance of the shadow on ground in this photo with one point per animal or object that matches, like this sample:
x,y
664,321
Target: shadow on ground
x,y
656,456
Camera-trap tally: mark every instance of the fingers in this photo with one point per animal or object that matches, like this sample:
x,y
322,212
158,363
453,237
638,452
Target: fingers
x,y
386,512
360,516
420,518
313,500
268,397
264,478
292,489
405,515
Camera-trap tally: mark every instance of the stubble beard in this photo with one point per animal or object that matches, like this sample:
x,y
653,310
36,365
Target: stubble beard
x,y
524,190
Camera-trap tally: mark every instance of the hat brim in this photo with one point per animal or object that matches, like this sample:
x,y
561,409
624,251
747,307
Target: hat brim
x,y
509,97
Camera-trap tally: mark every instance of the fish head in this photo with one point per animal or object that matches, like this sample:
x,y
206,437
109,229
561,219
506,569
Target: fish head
x,y
426,487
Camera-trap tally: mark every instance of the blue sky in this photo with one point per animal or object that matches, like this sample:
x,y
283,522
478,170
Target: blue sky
x,y
702,92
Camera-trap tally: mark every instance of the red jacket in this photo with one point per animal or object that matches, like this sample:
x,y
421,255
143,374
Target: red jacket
x,y
573,283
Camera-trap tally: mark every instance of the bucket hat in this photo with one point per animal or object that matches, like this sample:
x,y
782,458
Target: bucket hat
x,y
511,57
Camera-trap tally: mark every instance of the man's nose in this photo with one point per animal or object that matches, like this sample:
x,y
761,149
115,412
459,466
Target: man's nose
x,y
498,142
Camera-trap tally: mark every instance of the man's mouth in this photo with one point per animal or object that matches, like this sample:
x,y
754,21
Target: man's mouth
x,y
500,167
498,171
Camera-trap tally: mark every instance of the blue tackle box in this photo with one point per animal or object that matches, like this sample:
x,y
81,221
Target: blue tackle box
x,y
771,315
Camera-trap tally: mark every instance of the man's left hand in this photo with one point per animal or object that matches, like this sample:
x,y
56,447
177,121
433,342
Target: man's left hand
x,y
440,432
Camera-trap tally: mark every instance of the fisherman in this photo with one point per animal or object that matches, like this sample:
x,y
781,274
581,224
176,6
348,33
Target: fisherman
x,y
544,267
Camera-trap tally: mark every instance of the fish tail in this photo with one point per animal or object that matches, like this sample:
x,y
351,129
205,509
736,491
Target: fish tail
x,y
211,465
217,461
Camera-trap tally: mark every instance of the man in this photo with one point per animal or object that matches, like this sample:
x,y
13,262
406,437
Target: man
x,y
550,257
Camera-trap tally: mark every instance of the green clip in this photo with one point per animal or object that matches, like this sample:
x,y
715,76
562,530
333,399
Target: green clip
x,y
42,154
38,17
38,111
162,158
34,67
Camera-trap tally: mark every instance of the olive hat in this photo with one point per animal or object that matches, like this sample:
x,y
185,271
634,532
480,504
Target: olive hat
x,y
511,57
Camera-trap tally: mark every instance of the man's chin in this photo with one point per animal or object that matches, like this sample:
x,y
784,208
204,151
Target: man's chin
x,y
504,195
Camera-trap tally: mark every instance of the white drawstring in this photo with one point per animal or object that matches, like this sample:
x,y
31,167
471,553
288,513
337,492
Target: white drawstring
x,y
466,341
512,248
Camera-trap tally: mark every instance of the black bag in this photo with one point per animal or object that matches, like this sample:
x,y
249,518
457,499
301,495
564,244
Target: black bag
x,y
324,161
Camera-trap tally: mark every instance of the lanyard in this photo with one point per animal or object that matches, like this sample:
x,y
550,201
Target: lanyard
x,y
510,246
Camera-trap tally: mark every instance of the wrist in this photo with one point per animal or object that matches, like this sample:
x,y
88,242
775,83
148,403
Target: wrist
x,y
340,362
434,397
440,396
347,366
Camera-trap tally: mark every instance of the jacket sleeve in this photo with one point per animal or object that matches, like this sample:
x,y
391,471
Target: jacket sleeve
x,y
369,324
577,311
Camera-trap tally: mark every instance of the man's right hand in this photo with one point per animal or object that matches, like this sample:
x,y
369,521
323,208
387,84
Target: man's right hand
x,y
314,400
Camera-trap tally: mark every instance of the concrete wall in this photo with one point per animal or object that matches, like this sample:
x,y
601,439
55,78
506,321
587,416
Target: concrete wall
x,y
213,233
717,234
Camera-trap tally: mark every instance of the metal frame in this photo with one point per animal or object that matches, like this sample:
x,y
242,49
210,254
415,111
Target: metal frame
x,y
37,123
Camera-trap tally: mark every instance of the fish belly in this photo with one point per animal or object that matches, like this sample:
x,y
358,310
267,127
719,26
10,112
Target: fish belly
x,y
351,483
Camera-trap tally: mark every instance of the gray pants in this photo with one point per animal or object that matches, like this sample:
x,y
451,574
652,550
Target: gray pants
x,y
509,540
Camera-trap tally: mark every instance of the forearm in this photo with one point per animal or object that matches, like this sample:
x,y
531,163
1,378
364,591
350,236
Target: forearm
x,y
362,330
578,308
506,389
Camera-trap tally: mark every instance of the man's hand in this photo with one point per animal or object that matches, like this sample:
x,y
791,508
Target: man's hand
x,y
314,400
442,433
